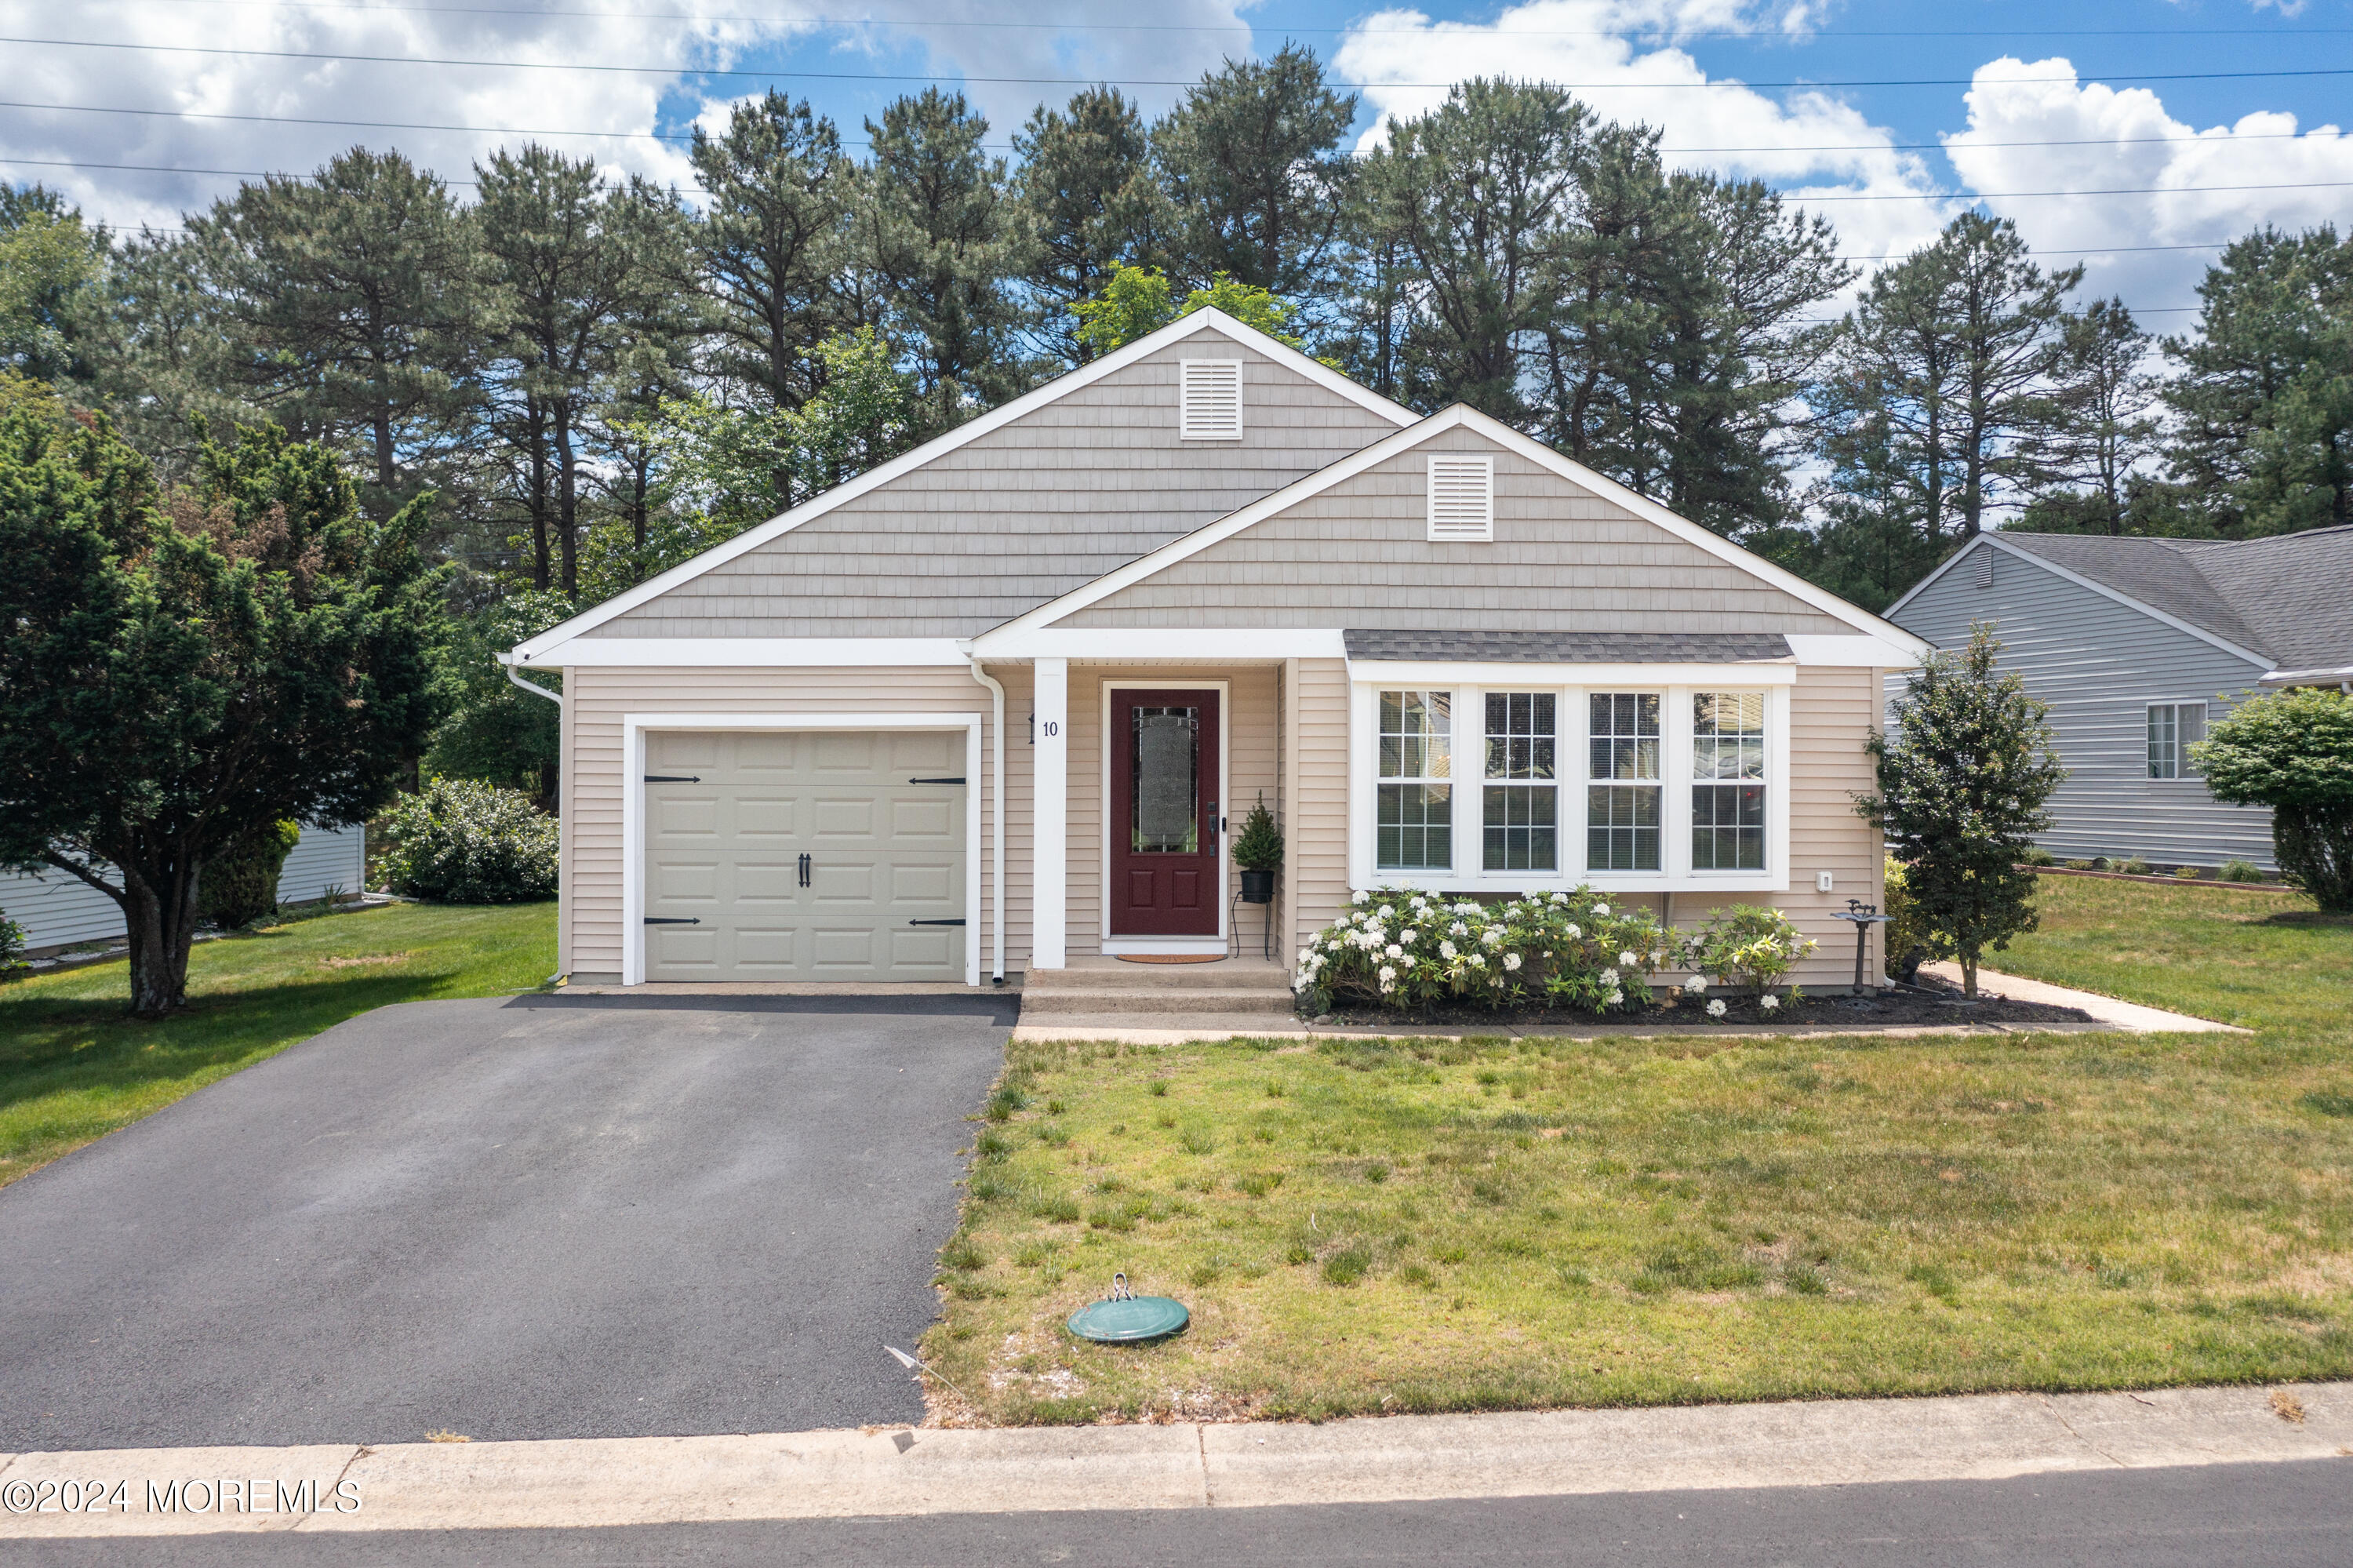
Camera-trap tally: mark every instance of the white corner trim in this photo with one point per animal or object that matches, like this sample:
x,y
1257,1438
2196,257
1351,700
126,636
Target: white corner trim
x,y
751,652
634,729
1105,645
535,648
1850,653
2103,589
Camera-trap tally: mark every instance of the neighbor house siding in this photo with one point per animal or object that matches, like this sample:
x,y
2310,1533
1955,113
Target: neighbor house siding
x,y
1023,514
1356,554
598,698
58,909
2099,664
1250,721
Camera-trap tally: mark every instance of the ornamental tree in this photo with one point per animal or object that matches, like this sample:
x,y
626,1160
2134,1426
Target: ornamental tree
x,y
1962,784
2293,751
178,672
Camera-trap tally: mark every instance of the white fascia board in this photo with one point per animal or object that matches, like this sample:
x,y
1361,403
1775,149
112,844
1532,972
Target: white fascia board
x,y
1100,645
1854,652
749,653
1502,676
535,648
2104,590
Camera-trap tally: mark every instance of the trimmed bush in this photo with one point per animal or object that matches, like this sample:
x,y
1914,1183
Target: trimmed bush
x,y
1400,947
235,889
2132,866
2035,855
460,842
1748,944
2240,871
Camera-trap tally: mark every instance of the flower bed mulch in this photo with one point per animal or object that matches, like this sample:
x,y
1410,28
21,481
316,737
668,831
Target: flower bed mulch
x,y
1930,1002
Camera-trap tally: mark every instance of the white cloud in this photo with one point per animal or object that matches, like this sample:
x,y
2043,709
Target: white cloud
x,y
1730,129
2125,139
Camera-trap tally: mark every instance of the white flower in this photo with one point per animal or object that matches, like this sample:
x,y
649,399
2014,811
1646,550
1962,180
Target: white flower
x,y
1360,897
1412,934
1446,951
1575,933
1695,985
1385,912
1493,936
1769,1001
1389,976
1617,998
1511,961
1395,951
1477,961
1609,977
1558,898
1602,909
1468,906
1626,961
1460,930
1419,901
1715,1007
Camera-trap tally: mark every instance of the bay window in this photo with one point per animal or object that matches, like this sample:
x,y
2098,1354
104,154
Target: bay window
x,y
1415,824
1727,781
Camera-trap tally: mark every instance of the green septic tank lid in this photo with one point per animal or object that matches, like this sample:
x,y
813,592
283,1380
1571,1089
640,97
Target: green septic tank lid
x,y
1124,1318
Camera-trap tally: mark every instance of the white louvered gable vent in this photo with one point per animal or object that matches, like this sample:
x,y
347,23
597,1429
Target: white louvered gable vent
x,y
1462,497
1212,399
1985,565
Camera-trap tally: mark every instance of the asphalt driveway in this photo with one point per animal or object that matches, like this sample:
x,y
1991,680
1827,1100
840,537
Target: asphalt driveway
x,y
543,1217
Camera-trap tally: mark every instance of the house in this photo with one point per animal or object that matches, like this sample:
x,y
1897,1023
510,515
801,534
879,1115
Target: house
x,y
2139,645
58,909
998,704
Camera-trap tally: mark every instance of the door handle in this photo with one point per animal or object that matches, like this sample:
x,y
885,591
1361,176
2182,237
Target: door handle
x,y
805,871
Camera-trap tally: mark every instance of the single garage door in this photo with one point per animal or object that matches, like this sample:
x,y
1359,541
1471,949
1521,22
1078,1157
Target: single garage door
x,y
806,855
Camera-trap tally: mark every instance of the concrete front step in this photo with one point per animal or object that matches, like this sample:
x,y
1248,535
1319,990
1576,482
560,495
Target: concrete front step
x,y
1094,974
1047,1002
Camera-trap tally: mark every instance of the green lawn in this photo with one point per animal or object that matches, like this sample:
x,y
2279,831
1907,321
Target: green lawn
x,y
74,1068
1366,1227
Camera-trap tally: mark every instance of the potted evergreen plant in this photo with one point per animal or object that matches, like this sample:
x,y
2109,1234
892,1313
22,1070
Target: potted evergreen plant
x,y
1258,852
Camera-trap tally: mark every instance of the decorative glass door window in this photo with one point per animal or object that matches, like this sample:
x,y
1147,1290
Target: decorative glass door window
x,y
1621,812
1728,781
1165,815
1519,826
1414,828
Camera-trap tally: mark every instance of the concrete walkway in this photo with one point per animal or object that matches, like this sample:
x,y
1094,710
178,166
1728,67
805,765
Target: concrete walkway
x,y
2126,1016
881,1471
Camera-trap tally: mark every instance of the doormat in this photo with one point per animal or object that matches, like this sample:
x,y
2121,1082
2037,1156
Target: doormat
x,y
1169,957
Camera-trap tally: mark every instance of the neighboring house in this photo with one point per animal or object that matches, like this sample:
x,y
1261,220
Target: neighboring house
x,y
867,740
2139,645
58,909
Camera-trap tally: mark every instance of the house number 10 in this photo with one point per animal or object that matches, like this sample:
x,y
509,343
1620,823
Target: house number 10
x,y
1050,727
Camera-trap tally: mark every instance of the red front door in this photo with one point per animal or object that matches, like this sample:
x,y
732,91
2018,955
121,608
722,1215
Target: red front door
x,y
1165,877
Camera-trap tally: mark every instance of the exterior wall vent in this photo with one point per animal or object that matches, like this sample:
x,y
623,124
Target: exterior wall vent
x,y
1212,399
1985,565
1462,497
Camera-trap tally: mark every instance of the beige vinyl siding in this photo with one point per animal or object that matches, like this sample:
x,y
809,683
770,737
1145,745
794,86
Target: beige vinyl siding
x,y
1357,555
1250,719
1315,861
1023,514
590,911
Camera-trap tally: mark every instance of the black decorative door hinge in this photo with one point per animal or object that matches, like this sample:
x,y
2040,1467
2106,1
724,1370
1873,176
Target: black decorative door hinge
x,y
935,922
673,920
671,778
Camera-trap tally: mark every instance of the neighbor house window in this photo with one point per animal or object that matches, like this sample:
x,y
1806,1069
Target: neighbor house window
x,y
1520,804
1728,781
2173,729
1622,810
1415,827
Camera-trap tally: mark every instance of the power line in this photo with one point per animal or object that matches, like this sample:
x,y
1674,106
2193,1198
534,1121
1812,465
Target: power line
x,y
1007,146
2139,33
1085,82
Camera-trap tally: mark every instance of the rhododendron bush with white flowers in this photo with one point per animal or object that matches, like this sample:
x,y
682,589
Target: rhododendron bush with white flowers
x,y
1398,946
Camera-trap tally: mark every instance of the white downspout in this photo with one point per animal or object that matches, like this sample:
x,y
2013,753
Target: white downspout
x,y
996,820
506,662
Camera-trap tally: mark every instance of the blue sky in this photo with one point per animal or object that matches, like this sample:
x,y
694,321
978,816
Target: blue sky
x,y
1887,117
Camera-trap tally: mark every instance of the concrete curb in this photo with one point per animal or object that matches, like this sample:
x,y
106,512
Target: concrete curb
x,y
878,1472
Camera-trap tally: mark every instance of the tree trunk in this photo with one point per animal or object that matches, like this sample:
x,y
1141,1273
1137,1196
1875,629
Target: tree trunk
x,y
567,498
161,927
1969,977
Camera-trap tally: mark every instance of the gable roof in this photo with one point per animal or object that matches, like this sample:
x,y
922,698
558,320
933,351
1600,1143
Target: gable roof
x,y
2285,600
536,648
1460,417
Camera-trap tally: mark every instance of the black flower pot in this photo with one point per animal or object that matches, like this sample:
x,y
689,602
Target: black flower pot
x,y
1258,887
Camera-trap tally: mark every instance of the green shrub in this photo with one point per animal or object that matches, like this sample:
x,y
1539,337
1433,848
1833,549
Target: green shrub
x,y
2132,866
461,841
1748,944
2293,751
1259,846
1399,947
2083,865
237,888
2239,871
12,946
2189,873
2035,855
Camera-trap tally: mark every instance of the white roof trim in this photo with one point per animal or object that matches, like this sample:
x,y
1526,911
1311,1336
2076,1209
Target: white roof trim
x,y
1997,542
1458,417
534,650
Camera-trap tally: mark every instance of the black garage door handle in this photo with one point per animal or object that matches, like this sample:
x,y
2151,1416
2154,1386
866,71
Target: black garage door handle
x,y
934,781
673,920
671,778
935,922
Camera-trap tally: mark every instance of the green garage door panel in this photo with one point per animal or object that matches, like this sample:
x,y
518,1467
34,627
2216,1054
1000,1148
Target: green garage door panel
x,y
885,851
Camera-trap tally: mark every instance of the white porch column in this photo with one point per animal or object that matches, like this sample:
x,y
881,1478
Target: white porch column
x,y
1050,815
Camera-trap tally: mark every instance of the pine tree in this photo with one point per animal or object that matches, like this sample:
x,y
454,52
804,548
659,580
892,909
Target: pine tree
x,y
1089,204
2099,428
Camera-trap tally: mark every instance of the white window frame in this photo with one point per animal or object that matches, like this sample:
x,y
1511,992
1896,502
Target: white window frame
x,y
1193,369
634,729
1484,780
2180,774
1453,779
1572,684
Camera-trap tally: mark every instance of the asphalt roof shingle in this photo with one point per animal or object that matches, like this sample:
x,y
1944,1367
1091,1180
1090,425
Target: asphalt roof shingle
x,y
1570,647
